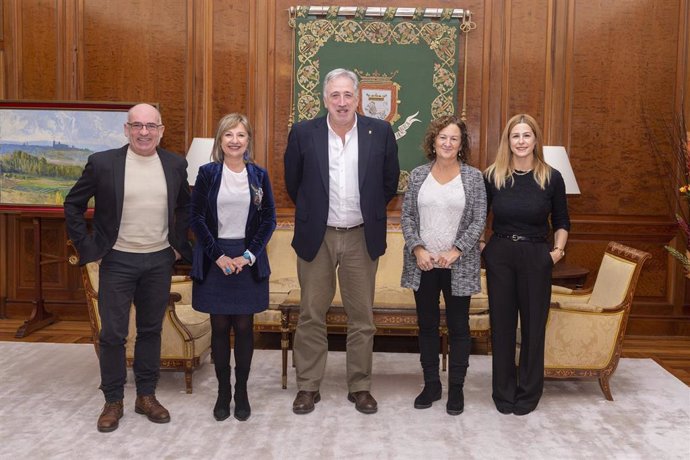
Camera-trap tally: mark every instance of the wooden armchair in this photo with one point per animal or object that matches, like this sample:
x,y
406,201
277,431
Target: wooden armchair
x,y
186,334
585,329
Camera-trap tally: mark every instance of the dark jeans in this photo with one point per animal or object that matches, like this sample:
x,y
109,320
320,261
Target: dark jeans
x,y
518,276
145,280
427,299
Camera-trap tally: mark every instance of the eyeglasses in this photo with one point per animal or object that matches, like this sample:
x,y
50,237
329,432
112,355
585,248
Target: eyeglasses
x,y
136,126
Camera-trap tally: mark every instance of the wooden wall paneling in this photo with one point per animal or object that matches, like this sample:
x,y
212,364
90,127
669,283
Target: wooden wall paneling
x,y
136,52
475,51
527,53
72,35
682,285
619,65
494,46
231,57
557,94
37,39
613,74
261,76
199,106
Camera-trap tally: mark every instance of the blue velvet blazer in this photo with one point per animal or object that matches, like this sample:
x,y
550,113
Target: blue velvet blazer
x,y
203,220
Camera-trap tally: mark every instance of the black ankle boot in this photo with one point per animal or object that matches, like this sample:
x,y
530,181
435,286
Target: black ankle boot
x,y
456,400
431,392
221,410
242,408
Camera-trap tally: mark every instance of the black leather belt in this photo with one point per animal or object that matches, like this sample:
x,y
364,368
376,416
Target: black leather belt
x,y
529,239
344,229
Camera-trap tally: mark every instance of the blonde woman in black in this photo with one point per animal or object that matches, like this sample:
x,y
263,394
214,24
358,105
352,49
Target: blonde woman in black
x,y
524,194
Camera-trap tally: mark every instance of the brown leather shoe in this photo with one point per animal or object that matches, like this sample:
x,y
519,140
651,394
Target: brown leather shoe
x,y
304,401
364,402
109,419
149,406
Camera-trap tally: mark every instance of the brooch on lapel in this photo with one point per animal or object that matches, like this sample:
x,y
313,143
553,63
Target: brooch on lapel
x,y
258,193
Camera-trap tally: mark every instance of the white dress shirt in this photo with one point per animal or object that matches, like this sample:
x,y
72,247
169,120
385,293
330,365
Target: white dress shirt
x,y
343,179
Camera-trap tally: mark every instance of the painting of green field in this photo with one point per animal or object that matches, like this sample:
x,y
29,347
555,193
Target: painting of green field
x,y
33,190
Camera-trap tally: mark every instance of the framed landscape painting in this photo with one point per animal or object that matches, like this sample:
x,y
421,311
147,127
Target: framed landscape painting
x,y
44,147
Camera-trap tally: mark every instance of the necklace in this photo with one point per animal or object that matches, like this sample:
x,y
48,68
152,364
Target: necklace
x,y
521,173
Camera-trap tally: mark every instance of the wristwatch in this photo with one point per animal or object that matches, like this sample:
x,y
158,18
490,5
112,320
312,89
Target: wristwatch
x,y
247,255
562,251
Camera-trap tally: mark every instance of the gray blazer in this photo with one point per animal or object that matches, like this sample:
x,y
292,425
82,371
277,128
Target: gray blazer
x,y
465,270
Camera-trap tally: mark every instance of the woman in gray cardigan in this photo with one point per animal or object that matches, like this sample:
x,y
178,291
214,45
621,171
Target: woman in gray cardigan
x,y
443,216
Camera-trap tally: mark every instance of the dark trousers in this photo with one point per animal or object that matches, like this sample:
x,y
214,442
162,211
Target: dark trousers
x,y
144,279
427,300
518,276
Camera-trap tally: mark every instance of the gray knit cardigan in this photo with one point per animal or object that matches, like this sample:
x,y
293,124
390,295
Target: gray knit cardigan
x,y
465,270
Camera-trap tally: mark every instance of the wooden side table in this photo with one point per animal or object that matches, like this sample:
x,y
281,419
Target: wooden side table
x,y
570,276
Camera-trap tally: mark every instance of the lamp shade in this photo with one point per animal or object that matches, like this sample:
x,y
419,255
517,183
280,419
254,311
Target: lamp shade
x,y
199,154
557,158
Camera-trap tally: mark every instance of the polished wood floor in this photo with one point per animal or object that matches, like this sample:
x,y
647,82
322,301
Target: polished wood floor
x,y
672,353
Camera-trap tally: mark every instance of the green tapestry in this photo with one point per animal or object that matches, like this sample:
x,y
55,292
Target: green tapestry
x,y
408,68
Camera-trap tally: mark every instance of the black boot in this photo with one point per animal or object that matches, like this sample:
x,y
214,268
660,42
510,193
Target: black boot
x,y
456,400
221,410
242,408
431,392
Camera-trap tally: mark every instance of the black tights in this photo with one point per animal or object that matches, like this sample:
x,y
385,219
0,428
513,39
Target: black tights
x,y
243,326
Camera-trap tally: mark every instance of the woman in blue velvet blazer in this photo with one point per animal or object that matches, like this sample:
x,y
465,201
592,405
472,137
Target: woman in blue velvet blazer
x,y
233,218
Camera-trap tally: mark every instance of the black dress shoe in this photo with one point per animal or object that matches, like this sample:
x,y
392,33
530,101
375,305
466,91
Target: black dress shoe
x,y
364,402
431,392
304,401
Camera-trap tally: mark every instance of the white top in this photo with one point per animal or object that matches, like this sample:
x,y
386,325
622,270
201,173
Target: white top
x,y
144,222
343,179
233,204
440,210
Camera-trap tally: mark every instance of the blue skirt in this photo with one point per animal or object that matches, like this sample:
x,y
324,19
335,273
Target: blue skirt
x,y
236,294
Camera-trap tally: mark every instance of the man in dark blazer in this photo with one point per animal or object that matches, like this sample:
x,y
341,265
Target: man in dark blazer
x,y
341,171
139,230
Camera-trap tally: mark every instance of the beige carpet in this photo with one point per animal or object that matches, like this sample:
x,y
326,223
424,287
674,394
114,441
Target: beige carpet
x,y
49,403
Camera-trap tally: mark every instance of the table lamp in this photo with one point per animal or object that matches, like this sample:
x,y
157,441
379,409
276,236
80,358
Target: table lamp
x,y
557,158
199,154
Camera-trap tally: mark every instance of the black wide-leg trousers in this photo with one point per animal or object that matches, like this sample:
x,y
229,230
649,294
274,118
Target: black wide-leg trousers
x,y
518,276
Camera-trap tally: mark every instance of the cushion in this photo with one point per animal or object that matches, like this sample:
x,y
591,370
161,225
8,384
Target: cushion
x,y
268,317
612,281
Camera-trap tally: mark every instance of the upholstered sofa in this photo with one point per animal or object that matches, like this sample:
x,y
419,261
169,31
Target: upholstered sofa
x,y
394,306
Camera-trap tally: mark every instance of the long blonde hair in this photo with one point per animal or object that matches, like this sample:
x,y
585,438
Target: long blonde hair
x,y
502,169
